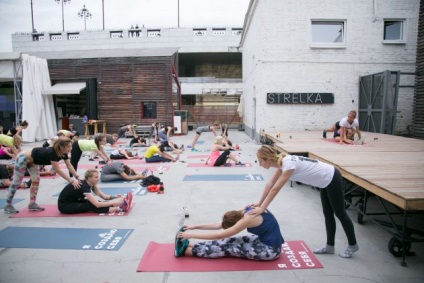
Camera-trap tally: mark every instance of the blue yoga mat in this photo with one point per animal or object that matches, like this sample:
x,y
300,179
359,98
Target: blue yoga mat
x,y
217,177
15,200
200,142
137,191
64,238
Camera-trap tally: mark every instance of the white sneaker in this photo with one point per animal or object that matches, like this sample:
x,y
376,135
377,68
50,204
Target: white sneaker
x,y
361,140
355,139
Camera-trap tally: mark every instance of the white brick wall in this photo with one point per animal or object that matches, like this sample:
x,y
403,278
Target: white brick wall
x,y
277,57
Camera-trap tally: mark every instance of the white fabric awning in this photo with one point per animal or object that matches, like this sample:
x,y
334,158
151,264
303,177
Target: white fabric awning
x,y
64,88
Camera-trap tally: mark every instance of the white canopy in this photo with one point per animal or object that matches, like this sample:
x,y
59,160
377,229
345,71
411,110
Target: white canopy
x,y
38,110
64,88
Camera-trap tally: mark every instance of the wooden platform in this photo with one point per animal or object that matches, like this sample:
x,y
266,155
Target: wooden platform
x,y
391,167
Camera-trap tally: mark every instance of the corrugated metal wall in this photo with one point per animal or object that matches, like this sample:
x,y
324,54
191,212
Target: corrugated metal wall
x,y
123,84
417,129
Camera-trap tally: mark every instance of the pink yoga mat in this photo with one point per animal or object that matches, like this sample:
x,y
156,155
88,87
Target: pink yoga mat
x,y
198,156
51,210
232,165
160,258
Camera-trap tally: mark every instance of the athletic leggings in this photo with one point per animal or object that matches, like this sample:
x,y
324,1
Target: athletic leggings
x,y
333,203
80,207
222,159
76,154
248,247
21,165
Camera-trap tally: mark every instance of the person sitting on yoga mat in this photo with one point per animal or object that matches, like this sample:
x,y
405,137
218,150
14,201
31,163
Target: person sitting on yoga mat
x,y
119,171
155,153
83,199
217,158
264,242
31,160
314,173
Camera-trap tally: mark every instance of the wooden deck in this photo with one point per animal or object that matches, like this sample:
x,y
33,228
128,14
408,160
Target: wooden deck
x,y
391,167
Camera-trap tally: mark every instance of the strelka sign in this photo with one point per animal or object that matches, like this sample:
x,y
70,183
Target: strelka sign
x,y
299,98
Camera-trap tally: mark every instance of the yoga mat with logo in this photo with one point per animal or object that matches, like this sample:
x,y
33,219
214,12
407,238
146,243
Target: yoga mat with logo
x,y
51,210
226,165
103,239
218,177
160,258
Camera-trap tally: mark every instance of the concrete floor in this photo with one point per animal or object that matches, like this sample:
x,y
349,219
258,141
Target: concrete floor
x,y
156,218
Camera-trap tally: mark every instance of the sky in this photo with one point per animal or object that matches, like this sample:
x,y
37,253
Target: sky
x,y
15,15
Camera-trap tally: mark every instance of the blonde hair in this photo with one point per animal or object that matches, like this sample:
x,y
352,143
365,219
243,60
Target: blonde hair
x,y
353,112
267,152
88,174
218,140
17,141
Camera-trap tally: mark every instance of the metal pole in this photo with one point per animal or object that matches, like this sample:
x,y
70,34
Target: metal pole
x,y
63,18
85,26
178,13
32,17
103,12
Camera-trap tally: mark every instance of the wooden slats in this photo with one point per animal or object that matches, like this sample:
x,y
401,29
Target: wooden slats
x,y
124,83
391,167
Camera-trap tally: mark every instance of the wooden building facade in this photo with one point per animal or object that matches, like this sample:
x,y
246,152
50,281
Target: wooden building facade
x,y
123,86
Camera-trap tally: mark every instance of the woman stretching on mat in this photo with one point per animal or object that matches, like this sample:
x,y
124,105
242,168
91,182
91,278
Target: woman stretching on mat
x,y
13,143
119,171
315,173
155,153
263,244
217,158
31,160
72,201
95,145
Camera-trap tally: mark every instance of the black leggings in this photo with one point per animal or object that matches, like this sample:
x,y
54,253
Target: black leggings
x,y
333,203
80,207
222,159
75,156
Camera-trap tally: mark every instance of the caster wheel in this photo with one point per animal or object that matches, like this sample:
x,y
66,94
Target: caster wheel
x,y
396,247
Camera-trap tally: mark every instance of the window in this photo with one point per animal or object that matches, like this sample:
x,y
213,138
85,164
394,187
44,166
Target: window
x,y
393,31
148,110
328,34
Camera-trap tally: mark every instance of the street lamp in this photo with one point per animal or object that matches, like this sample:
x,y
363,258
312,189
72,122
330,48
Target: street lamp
x,y
63,18
84,13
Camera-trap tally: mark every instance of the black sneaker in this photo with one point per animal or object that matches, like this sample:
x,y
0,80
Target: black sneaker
x,y
239,163
90,159
102,162
324,134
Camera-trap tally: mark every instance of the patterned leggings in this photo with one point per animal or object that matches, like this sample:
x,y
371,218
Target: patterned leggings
x,y
21,165
248,247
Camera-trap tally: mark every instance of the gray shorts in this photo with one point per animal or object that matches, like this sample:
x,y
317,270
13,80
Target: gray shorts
x,y
203,129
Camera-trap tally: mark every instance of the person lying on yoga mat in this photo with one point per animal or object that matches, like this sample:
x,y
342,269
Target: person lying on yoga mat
x,y
30,160
138,142
314,173
83,199
119,171
122,154
216,158
264,242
